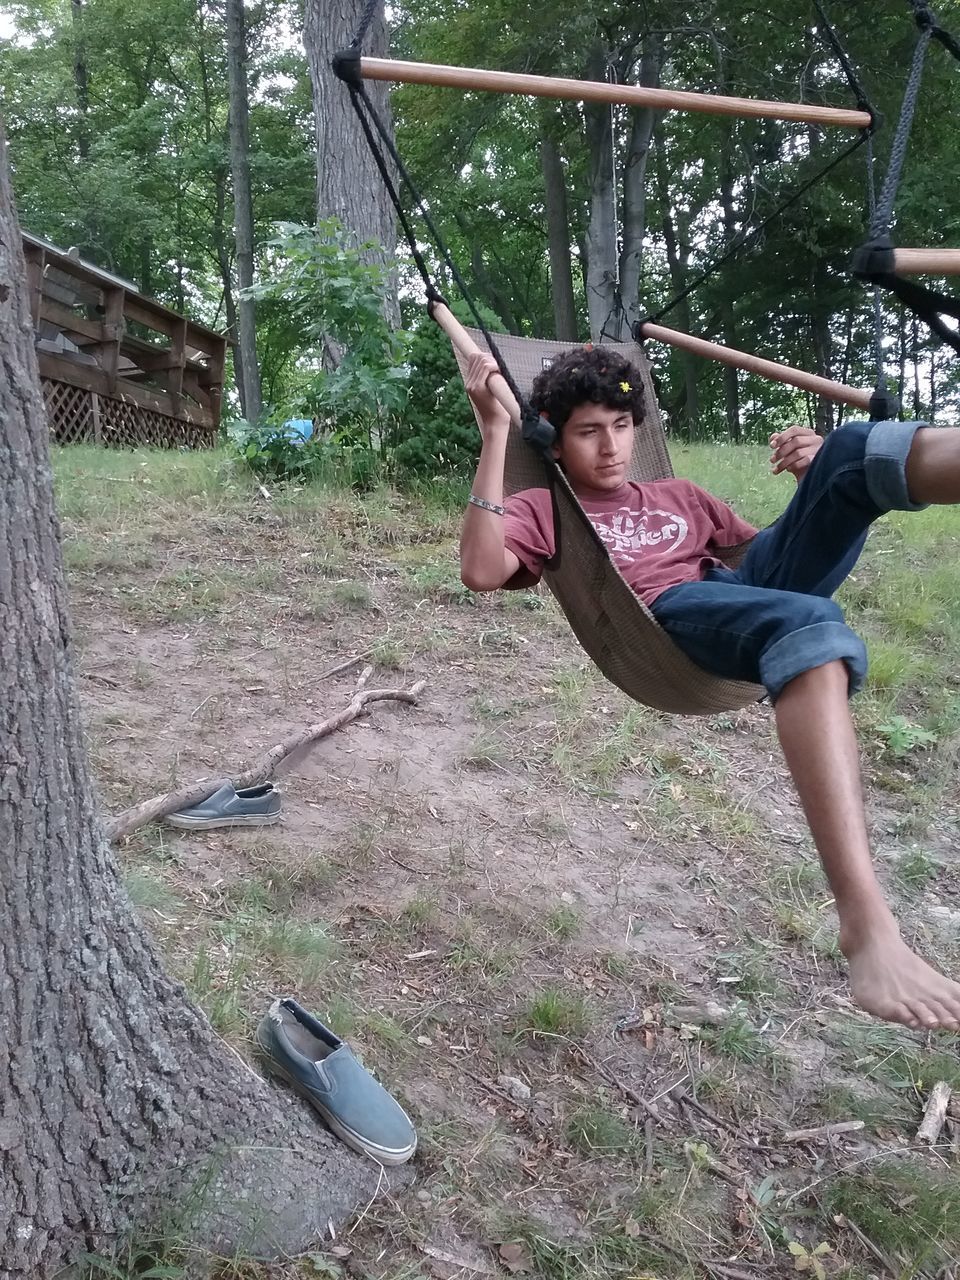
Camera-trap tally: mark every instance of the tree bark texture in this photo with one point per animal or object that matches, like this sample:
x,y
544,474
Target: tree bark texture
x,y
349,186
116,1096
685,412
242,205
634,218
602,224
558,237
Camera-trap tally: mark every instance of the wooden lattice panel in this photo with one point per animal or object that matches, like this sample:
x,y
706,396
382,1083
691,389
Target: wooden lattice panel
x,y
69,412
75,414
122,423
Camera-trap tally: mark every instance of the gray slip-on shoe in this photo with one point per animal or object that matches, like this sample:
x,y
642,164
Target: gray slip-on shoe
x,y
249,807
318,1065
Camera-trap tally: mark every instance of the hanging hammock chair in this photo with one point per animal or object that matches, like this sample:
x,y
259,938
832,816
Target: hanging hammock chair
x,y
612,623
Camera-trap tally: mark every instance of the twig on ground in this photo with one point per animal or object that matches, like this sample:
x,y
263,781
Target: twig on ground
x,y
648,1146
822,1131
465,1264
99,679
682,1098
262,768
344,666
934,1113
625,1089
887,1263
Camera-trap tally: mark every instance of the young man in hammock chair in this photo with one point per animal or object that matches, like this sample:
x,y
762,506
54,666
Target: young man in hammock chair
x,y
771,621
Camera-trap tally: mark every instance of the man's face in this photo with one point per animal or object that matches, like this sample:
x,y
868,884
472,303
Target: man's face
x,y
596,445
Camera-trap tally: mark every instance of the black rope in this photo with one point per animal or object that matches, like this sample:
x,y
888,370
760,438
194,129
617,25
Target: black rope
x,y
874,261
859,92
740,243
743,242
366,18
536,430
883,214
924,17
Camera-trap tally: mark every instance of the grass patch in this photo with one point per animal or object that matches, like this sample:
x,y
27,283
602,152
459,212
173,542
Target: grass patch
x,y
563,921
594,1131
554,1012
909,1211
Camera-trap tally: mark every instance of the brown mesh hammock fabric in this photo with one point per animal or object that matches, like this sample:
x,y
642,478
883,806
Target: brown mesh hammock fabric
x,y
613,625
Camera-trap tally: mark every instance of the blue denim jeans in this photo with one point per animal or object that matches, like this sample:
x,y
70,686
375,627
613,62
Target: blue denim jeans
x,y
772,618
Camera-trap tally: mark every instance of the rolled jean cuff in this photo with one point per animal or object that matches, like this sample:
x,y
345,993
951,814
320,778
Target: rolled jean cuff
x,y
884,465
813,646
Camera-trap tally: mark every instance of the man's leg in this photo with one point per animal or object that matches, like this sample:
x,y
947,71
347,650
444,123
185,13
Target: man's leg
x,y
933,466
816,732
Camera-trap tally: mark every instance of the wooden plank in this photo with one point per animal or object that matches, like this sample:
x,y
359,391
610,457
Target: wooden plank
x,y
931,262
599,91
793,377
69,322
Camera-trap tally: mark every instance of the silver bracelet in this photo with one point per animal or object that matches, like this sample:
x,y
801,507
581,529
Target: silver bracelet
x,y
487,506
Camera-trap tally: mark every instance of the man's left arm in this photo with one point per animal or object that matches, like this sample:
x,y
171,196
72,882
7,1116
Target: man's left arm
x,y
793,450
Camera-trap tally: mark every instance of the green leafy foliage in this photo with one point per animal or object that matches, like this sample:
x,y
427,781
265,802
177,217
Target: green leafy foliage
x,y
439,433
323,301
901,737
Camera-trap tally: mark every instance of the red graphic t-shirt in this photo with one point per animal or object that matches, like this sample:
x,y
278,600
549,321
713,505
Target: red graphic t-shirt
x,y
658,534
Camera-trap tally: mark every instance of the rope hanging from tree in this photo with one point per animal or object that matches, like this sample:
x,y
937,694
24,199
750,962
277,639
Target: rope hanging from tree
x,y
876,260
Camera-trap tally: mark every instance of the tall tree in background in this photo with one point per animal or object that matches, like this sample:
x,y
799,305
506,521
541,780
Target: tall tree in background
x,y
348,184
249,368
117,1098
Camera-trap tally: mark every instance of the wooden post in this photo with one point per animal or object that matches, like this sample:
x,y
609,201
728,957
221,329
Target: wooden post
x,y
109,352
786,373
598,91
932,262
95,413
178,354
36,260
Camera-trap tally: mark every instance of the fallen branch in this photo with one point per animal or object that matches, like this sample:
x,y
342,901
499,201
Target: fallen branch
x,y
262,769
823,1131
934,1113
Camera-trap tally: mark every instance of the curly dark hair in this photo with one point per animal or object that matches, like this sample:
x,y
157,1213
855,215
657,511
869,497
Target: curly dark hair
x,y
589,375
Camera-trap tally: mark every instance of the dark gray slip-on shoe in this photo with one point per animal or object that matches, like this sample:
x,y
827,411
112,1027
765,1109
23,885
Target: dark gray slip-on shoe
x,y
249,807
318,1065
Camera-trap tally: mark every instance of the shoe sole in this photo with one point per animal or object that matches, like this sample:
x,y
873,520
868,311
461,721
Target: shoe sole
x,y
352,1139
242,820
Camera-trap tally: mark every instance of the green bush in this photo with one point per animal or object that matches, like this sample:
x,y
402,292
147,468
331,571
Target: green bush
x,y
437,430
323,303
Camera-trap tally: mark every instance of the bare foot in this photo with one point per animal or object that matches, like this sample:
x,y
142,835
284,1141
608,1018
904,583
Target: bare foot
x,y
892,982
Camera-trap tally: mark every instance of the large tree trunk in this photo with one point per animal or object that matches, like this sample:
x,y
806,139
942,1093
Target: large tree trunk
x,y
676,235
349,186
558,236
634,191
116,1096
242,206
602,224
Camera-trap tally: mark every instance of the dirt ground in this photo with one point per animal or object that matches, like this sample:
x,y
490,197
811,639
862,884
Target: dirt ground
x,y
588,945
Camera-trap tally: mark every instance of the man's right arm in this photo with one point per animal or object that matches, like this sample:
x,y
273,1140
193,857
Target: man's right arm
x,y
485,562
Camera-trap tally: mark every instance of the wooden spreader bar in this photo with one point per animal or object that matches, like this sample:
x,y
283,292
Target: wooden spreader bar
x,y
811,382
462,341
930,262
597,91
